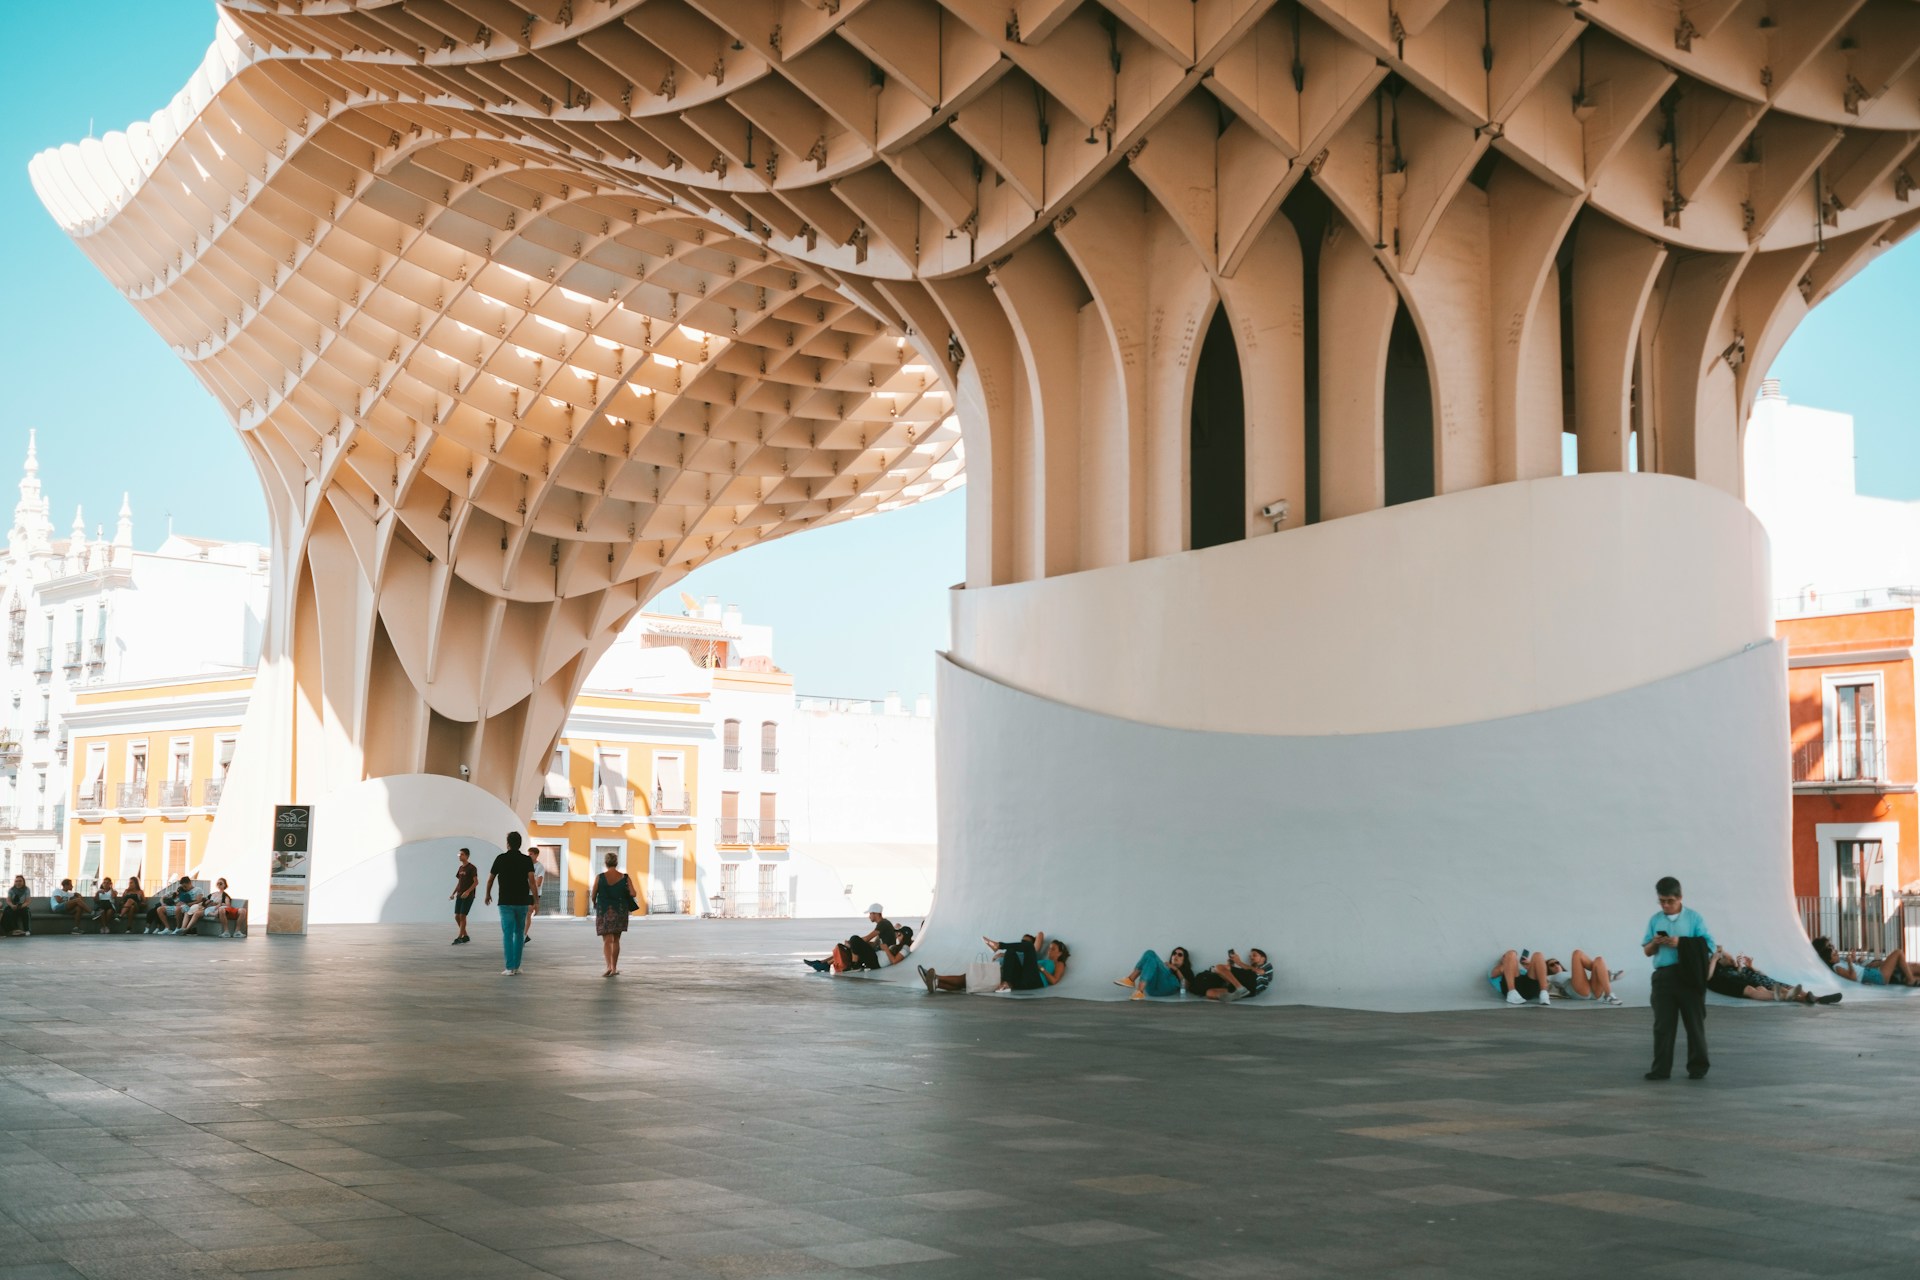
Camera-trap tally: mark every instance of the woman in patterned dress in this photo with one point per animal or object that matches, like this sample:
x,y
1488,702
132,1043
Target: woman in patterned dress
x,y
613,900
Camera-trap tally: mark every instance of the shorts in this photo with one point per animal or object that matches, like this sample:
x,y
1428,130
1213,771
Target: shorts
x,y
1524,984
1870,975
463,906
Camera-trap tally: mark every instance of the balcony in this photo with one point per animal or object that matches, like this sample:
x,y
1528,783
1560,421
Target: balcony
x,y
97,652
1841,762
613,801
41,729
556,804
730,759
6,818
176,795
769,759
132,795
677,804
72,661
750,832
210,790
43,663
92,800
9,753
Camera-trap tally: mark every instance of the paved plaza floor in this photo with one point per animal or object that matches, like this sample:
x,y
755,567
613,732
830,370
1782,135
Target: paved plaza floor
x,y
368,1101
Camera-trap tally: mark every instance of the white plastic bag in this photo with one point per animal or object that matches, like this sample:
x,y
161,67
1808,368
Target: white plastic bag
x,y
983,972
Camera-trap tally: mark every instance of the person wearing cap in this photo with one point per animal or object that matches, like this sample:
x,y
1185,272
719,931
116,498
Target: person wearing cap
x,y
860,948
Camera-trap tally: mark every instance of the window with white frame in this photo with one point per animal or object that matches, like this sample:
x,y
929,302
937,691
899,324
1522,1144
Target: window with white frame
x,y
91,852
133,857
93,788
556,793
670,783
611,784
1854,749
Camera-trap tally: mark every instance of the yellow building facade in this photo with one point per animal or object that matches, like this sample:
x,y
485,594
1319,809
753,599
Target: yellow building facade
x,y
149,761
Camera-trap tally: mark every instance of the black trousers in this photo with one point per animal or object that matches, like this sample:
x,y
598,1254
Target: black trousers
x,y
864,956
1673,1002
1020,966
12,917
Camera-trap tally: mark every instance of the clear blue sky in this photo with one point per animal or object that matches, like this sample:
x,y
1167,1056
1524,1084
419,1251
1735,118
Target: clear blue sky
x,y
859,608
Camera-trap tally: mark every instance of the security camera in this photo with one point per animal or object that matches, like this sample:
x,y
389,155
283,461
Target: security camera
x,y
1275,510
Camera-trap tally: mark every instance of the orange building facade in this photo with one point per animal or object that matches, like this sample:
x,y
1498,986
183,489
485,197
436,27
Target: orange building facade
x,y
1851,696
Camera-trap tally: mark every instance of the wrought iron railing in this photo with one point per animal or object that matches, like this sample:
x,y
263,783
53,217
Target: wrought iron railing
x,y
752,906
210,790
730,758
758,832
72,658
677,803
769,759
1841,760
554,804
43,663
132,795
176,795
92,799
1875,923
615,800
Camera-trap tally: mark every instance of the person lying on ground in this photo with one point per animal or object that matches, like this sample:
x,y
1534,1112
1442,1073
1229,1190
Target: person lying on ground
x,y
1031,964
1892,971
1734,975
863,950
1237,979
1521,976
1586,978
72,904
1153,977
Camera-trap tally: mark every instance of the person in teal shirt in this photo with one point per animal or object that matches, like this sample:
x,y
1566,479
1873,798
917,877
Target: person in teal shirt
x,y
1673,1000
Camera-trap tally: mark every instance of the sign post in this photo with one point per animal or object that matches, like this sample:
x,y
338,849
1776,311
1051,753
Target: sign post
x,y
292,861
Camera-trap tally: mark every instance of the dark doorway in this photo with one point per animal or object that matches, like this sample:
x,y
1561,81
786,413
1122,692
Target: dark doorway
x,y
1217,453
1409,414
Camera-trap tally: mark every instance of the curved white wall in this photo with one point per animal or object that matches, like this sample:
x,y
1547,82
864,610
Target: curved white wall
x,y
385,849
1380,871
1492,602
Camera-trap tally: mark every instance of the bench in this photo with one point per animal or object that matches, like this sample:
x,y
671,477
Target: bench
x,y
44,921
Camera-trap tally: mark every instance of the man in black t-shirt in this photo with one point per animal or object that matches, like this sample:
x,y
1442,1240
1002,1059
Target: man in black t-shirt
x,y
466,878
514,870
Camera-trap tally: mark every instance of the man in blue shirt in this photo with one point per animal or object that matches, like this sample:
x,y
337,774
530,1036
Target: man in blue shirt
x,y
1674,999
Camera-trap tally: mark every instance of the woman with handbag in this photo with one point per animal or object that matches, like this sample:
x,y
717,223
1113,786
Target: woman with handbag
x,y
613,902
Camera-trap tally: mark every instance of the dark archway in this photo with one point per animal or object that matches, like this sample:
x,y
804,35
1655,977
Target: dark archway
x,y
1408,443
1216,443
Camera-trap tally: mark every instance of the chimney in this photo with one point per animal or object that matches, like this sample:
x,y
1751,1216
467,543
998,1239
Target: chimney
x,y
710,609
731,617
1770,390
893,702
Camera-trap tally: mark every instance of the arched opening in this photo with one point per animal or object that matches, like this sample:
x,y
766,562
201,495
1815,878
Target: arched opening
x,y
1216,443
1408,431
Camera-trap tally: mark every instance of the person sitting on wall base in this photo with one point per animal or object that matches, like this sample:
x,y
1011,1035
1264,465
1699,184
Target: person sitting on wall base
x,y
103,905
1154,977
1237,979
1734,975
72,904
1586,979
133,903
862,950
14,912
1893,971
1521,976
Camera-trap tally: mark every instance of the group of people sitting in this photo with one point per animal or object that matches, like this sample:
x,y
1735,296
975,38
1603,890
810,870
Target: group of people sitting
x,y
177,910
1891,970
885,944
1526,975
1034,963
1236,979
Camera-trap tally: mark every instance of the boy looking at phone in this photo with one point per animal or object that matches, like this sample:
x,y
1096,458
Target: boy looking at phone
x,y
1674,1000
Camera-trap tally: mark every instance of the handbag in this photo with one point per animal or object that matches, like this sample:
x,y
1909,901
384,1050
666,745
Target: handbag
x,y
983,972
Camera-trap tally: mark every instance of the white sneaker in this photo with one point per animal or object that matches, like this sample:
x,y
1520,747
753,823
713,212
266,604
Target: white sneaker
x,y
509,973
1545,999
1612,1000
1514,997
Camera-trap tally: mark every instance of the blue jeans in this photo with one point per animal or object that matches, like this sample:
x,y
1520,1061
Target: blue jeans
x,y
513,933
1156,977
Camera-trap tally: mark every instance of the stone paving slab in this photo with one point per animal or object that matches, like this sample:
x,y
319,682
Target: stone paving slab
x,y
370,1102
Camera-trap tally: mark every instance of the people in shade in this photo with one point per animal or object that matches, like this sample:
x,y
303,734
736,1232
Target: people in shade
x,y
69,903
103,905
613,903
1237,979
187,906
133,903
1034,963
870,950
1587,978
1521,976
1153,976
539,887
512,870
219,907
1891,970
166,908
466,882
15,911
1680,945
1735,975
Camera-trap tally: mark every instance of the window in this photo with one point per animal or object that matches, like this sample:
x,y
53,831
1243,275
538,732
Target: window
x,y
769,747
556,793
177,791
93,790
670,784
730,745
91,853
729,887
730,829
769,804
176,858
1853,747
769,897
613,796
133,857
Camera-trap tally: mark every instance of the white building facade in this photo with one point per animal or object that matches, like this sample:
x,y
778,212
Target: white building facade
x,y
88,613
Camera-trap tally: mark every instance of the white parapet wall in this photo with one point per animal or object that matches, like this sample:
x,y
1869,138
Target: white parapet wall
x,y
1384,749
